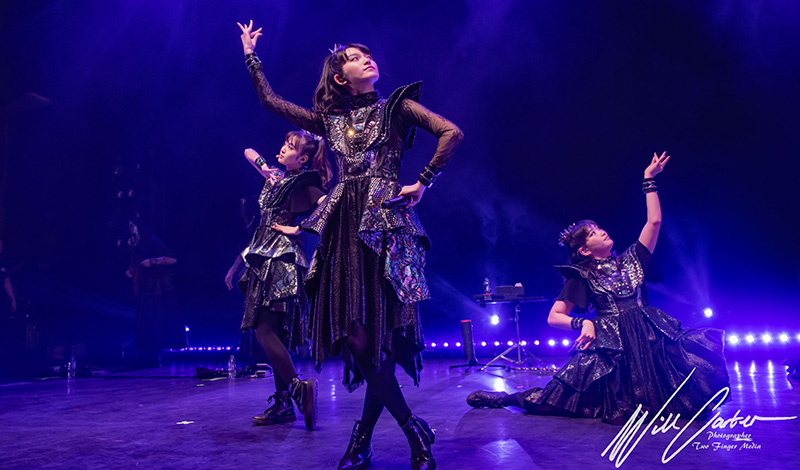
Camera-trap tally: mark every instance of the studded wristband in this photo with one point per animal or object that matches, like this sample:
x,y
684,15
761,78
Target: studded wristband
x,y
252,61
429,175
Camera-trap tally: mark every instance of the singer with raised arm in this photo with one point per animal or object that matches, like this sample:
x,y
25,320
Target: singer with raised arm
x,y
366,277
630,354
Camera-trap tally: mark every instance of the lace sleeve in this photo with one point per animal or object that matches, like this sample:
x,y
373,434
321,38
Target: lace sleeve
x,y
449,135
301,117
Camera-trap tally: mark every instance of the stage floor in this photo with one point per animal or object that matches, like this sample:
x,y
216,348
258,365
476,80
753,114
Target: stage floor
x,y
157,419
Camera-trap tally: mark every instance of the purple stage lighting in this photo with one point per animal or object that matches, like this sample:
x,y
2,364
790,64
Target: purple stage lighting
x,y
733,339
565,342
750,339
551,342
784,338
766,338
708,312
495,320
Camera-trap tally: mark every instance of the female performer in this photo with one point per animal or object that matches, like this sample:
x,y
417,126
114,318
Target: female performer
x,y
631,354
366,277
275,301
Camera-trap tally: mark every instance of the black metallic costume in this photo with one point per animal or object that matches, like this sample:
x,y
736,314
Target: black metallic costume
x,y
368,268
276,263
641,355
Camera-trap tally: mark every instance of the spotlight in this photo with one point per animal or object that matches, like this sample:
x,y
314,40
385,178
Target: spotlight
x,y
495,319
750,339
433,345
766,338
523,342
510,343
483,343
551,342
565,342
186,327
536,343
446,344
458,344
708,312
499,385
497,343
797,336
784,338
733,339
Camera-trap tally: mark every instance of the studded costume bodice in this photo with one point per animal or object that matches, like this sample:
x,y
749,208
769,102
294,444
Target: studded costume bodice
x,y
368,138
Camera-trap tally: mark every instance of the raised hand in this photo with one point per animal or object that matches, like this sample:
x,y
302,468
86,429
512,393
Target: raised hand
x,y
274,174
249,37
656,165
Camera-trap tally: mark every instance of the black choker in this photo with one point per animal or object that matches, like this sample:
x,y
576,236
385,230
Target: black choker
x,y
364,99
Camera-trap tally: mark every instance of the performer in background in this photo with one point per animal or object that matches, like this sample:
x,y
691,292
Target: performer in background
x,y
159,323
7,307
275,301
631,354
366,277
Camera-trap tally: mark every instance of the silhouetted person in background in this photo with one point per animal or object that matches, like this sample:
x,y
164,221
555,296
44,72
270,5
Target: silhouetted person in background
x,y
158,319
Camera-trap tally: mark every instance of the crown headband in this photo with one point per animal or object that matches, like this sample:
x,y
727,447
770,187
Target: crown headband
x,y
565,237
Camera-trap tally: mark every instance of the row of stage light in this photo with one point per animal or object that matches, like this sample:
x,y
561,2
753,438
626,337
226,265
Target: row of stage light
x,y
731,339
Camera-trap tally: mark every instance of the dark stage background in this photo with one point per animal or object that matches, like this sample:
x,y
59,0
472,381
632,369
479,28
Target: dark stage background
x,y
562,103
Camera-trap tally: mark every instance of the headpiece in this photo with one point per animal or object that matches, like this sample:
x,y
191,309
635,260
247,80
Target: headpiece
x,y
311,135
336,47
565,237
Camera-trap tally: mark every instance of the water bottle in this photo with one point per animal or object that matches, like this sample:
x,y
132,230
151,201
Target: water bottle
x,y
487,287
232,367
71,368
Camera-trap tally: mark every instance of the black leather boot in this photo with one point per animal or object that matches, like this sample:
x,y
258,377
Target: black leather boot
x,y
359,451
280,412
486,399
420,437
304,393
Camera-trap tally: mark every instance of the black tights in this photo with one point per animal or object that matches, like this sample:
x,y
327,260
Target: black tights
x,y
382,387
518,400
277,355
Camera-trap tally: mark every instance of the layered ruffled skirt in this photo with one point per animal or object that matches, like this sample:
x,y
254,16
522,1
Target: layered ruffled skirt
x,y
276,266
367,270
640,357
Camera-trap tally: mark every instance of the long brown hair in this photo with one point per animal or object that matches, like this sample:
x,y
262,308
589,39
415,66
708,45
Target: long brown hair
x,y
314,148
329,95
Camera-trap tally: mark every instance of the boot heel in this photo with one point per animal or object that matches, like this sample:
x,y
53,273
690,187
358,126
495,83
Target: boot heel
x,y
420,438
